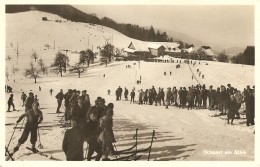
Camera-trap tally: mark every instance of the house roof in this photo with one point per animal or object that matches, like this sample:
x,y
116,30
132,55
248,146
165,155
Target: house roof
x,y
208,52
145,45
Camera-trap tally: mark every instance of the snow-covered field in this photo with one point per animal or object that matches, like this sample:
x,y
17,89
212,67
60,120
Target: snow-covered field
x,y
181,134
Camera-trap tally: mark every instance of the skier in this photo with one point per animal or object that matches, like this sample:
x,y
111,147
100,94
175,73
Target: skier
x,y
34,118
73,141
120,91
59,98
11,103
239,100
23,98
170,73
40,88
108,92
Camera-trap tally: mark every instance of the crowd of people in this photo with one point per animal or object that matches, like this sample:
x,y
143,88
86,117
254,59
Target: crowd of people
x,y
226,99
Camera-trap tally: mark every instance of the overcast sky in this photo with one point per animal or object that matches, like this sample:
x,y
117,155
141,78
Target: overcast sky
x,y
226,26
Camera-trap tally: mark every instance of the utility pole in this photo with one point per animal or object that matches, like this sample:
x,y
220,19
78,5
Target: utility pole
x,y
54,45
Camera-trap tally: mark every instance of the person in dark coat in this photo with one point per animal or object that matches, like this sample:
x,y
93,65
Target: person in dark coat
x,y
73,141
92,133
29,101
250,108
11,103
59,98
80,110
132,94
23,98
67,97
223,99
231,109
189,98
184,96
120,91
180,92
126,94
204,97
34,118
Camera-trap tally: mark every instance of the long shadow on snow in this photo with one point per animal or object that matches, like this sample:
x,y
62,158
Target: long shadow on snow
x,y
171,152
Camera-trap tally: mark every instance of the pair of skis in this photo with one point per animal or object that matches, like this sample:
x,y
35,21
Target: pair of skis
x,y
133,152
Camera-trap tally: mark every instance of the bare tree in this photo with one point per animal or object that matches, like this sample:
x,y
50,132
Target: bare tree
x,y
78,68
32,72
60,63
43,69
34,56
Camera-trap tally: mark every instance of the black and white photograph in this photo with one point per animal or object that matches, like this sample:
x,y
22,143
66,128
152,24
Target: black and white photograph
x,y
129,82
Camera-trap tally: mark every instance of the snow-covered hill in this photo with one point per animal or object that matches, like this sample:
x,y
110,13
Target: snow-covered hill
x,y
181,134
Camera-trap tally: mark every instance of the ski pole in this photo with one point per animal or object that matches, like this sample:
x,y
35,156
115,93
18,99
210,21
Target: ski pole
x,y
151,145
22,125
40,146
11,136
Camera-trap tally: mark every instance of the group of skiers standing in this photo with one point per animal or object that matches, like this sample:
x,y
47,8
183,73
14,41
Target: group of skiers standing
x,y
89,123
227,100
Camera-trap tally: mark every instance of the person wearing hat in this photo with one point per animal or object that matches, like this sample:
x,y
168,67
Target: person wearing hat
x,y
59,97
11,103
73,141
34,118
29,101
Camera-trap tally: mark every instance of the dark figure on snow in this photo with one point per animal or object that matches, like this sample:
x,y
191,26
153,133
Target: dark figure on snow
x,y
106,136
67,97
80,110
108,92
132,94
126,94
92,132
11,103
250,108
34,118
29,101
239,100
73,141
51,90
40,89
59,98
168,97
231,109
23,98
170,73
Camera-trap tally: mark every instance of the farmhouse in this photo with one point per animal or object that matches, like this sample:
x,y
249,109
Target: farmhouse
x,y
152,49
206,53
